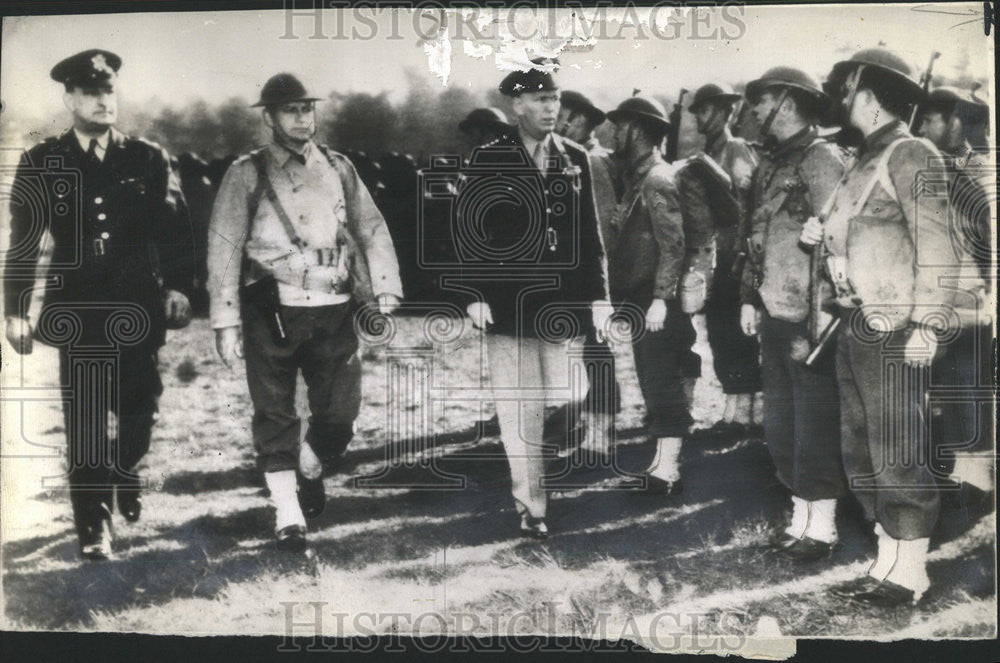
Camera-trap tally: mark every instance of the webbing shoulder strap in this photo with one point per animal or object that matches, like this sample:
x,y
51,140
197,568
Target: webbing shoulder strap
x,y
881,176
259,159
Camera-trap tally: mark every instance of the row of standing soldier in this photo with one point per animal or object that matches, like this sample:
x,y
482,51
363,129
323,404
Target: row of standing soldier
x,y
655,254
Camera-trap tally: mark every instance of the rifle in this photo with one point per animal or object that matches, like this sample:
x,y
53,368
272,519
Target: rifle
x,y
673,138
822,339
925,83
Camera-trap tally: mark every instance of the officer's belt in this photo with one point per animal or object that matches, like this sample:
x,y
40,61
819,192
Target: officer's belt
x,y
324,257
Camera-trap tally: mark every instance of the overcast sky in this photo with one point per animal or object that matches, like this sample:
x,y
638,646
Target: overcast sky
x,y
216,55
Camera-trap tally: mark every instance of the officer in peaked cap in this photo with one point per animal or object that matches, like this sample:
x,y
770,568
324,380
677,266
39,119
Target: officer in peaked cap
x,y
558,244
282,88
885,251
87,69
735,355
124,251
538,78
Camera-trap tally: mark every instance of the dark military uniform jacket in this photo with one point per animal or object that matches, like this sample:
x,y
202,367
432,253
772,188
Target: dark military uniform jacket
x,y
120,227
891,248
528,240
793,182
646,241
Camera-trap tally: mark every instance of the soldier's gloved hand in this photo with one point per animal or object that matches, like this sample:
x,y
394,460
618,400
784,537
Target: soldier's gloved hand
x,y
812,232
920,347
749,319
178,309
600,313
19,335
387,304
480,314
656,316
229,345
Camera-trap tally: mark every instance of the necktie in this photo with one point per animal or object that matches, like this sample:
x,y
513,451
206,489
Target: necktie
x,y
92,151
539,155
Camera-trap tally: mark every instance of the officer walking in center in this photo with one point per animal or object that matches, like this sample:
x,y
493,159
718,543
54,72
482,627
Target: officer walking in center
x,y
314,247
122,261
537,275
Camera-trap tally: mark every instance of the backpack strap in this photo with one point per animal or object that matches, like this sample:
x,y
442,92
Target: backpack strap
x,y
881,176
253,203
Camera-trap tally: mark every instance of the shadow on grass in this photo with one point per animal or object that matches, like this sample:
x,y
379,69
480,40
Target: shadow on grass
x,y
677,538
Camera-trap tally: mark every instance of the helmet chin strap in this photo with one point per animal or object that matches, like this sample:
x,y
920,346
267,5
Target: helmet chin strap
x,y
765,126
852,97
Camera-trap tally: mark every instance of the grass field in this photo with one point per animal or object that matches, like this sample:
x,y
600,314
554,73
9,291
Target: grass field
x,y
432,534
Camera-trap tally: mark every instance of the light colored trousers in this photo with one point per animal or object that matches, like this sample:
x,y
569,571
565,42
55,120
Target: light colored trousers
x,y
527,374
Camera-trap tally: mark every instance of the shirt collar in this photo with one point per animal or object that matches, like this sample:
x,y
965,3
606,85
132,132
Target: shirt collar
x,y
282,154
102,140
530,143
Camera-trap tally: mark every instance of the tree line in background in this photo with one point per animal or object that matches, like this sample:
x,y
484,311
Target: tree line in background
x,y
425,122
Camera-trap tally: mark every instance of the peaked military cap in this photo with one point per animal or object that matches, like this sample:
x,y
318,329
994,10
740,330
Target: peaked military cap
x,y
537,79
712,92
283,88
91,67
579,103
484,117
882,59
643,108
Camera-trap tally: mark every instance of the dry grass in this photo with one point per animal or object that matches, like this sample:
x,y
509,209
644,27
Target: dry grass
x,y
201,560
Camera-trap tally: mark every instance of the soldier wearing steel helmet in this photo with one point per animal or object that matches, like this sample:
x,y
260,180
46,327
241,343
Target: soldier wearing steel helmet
x,y
734,354
646,254
122,262
485,125
797,174
314,248
956,121
887,248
